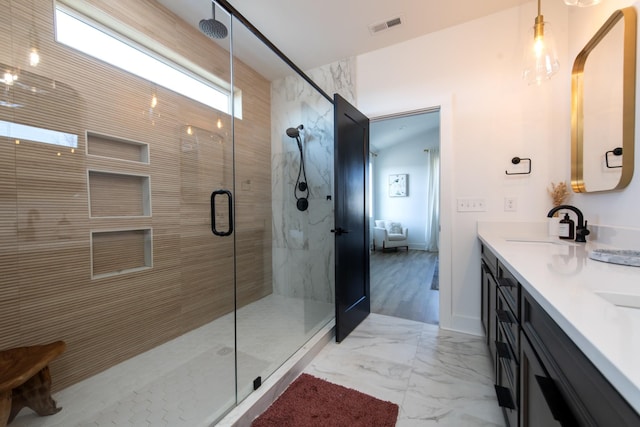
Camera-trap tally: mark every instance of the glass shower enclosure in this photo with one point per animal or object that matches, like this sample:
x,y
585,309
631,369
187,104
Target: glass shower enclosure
x,y
149,214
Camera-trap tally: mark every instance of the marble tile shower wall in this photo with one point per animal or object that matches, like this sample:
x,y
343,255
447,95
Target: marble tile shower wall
x,y
303,246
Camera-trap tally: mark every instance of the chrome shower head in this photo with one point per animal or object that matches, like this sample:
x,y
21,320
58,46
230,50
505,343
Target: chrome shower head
x,y
211,27
294,132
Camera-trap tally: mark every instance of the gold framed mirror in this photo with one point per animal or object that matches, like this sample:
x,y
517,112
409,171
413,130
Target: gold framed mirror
x,y
603,93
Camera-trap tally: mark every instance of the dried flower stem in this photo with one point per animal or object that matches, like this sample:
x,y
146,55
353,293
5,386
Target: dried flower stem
x,y
559,193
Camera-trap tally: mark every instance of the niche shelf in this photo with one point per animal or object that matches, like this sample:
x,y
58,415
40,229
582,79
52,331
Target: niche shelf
x,y
117,148
114,194
116,252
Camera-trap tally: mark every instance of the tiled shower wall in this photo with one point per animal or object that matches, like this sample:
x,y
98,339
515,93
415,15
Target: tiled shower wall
x,y
303,255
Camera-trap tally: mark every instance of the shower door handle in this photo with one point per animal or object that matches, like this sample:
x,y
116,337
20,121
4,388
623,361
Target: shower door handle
x,y
214,229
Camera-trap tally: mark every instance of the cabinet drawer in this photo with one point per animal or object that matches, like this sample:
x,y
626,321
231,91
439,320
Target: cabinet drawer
x,y
510,288
506,357
490,260
506,394
507,322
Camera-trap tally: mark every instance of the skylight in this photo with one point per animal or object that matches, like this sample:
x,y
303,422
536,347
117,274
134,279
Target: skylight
x,y
124,54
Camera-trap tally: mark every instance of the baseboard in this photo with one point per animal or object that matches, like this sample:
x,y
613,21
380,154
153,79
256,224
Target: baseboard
x,y
465,324
257,402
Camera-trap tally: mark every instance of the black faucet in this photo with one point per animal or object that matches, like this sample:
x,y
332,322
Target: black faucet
x,y
581,226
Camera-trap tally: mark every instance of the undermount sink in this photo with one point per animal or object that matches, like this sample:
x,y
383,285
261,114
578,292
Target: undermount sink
x,y
616,256
548,241
621,300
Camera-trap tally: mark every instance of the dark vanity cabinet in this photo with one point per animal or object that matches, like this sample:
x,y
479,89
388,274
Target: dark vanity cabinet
x,y
507,344
574,390
488,273
542,378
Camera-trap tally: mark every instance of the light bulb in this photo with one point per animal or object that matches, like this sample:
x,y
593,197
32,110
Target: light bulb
x,y
189,130
154,101
219,124
538,46
34,57
540,60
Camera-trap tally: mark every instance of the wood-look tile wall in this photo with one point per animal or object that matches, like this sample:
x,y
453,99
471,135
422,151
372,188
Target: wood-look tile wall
x,y
47,291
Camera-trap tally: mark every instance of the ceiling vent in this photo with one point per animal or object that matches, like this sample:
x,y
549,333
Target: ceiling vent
x,y
385,25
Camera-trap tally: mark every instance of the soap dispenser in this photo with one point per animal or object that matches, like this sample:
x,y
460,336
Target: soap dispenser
x,y
566,228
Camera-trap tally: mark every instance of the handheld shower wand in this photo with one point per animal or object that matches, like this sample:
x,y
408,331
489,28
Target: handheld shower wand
x,y
302,203
294,132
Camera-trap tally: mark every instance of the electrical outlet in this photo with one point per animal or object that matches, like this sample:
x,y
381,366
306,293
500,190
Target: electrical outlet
x,y
510,204
471,205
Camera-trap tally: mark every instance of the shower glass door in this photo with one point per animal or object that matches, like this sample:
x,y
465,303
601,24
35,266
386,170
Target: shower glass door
x,y
284,255
148,216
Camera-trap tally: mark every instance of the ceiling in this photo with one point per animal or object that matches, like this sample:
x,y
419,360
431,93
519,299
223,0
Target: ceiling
x,y
316,33
389,132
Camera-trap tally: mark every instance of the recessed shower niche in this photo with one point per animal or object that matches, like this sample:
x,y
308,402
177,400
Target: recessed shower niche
x,y
116,196
132,193
131,190
120,251
117,148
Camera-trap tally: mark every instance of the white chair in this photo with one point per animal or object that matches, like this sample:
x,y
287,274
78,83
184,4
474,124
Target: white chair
x,y
389,234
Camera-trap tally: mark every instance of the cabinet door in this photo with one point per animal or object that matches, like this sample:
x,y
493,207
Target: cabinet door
x,y
592,399
541,403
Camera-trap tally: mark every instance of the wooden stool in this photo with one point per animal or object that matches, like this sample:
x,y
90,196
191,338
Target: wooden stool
x,y
25,380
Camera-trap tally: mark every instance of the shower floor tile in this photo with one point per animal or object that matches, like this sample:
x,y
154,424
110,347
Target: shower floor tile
x,y
190,381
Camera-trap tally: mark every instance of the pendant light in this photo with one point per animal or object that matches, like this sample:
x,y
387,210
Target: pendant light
x,y
581,3
540,58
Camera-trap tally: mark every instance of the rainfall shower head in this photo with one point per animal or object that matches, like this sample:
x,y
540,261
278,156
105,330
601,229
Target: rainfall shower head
x,y
211,27
294,132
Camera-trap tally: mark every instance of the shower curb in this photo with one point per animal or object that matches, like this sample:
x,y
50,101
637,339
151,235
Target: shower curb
x,y
257,402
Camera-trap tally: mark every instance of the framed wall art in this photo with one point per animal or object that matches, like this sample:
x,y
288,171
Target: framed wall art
x,y
398,185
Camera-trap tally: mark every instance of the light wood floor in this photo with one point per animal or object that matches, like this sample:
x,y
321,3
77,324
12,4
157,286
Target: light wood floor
x,y
401,285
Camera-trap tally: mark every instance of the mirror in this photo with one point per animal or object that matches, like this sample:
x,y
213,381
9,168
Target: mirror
x,y
603,107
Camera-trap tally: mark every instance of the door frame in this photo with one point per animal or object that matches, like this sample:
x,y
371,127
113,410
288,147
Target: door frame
x,y
399,115
447,206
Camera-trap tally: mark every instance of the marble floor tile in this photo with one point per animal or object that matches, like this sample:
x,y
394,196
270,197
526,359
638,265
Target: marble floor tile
x,y
437,377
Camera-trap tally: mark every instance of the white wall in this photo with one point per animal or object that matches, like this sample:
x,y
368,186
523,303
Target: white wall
x,y
490,116
405,158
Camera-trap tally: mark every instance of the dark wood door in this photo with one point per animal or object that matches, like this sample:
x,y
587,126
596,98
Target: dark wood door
x,y
351,133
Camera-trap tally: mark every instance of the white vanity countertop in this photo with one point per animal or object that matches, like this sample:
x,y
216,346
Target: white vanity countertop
x,y
564,281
